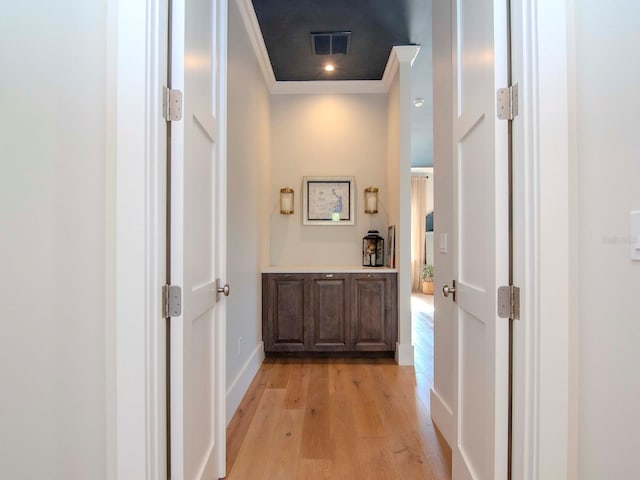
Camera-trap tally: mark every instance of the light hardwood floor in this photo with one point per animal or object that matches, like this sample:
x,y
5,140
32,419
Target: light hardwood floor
x,y
345,419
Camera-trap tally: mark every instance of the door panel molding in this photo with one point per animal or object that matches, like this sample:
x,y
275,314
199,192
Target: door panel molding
x,y
480,240
198,240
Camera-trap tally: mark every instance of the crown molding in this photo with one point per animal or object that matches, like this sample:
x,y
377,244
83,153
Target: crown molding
x,y
250,21
390,70
328,86
406,53
399,54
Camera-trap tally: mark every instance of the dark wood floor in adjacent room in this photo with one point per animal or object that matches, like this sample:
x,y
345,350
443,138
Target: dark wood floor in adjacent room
x,y
345,419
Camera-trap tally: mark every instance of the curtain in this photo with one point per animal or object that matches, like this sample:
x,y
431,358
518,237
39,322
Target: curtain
x,y
418,214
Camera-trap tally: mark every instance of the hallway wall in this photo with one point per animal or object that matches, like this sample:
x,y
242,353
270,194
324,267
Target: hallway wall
x,y
607,158
442,390
248,180
326,135
399,179
52,239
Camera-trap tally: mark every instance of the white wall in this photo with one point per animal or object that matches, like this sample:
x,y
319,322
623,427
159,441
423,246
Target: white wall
x,y
326,135
393,151
399,173
608,311
52,239
442,391
247,219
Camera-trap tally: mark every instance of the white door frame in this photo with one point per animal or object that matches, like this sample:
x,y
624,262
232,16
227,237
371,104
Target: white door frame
x,y
542,219
135,240
135,200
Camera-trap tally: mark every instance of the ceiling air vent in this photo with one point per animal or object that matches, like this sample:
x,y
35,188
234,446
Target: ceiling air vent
x,y
330,43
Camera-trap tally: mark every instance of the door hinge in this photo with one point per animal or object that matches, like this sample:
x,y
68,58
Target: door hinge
x,y
171,301
171,104
507,102
509,302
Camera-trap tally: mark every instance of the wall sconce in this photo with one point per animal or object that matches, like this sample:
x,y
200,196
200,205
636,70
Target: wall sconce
x,y
286,201
371,200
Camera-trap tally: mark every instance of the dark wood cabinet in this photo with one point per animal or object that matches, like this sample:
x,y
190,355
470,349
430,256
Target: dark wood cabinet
x,y
285,321
329,312
374,312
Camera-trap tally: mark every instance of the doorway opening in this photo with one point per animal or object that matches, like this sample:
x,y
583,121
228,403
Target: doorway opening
x,y
422,257
422,270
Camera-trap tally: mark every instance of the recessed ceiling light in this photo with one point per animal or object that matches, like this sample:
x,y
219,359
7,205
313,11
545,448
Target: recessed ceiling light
x,y
329,68
418,102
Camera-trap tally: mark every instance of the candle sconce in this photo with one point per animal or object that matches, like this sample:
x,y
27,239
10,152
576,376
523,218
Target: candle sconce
x,y
371,200
286,201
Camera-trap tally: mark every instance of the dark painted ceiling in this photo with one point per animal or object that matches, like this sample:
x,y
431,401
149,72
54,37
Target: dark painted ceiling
x,y
375,26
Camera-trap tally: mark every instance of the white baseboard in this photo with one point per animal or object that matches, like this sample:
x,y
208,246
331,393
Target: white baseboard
x,y
404,354
241,383
442,416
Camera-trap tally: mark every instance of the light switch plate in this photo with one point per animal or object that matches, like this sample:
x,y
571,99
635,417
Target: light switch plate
x,y
444,248
634,237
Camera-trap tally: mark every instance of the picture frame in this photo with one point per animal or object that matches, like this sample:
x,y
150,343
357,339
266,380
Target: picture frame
x,y
328,201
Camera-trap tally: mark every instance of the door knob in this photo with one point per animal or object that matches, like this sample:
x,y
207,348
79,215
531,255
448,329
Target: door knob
x,y
221,290
447,290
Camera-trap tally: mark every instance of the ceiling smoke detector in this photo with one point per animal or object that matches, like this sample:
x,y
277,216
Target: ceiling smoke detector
x,y
330,43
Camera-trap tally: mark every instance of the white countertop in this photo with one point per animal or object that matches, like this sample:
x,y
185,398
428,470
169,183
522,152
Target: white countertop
x,y
316,269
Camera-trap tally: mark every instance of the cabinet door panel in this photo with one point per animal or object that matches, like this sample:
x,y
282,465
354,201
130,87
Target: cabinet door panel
x,y
373,319
330,312
285,330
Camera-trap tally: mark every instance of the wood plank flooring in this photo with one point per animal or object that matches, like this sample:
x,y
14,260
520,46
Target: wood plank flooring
x,y
339,419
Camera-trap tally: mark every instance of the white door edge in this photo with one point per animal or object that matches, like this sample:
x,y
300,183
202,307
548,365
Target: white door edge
x,y
221,336
135,199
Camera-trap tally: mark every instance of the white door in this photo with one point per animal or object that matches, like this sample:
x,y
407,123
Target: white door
x,y
198,68
481,240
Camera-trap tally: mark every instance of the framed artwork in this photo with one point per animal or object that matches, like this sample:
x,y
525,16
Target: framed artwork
x,y
391,247
328,201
